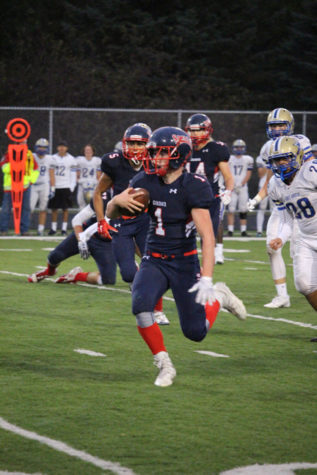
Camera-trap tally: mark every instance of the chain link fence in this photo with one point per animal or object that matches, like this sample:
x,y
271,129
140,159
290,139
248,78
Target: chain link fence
x,y
103,128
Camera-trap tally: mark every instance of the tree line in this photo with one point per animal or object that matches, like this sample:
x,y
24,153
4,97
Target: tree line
x,y
151,54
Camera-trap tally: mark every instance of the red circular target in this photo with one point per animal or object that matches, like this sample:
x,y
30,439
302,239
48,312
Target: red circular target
x,y
18,130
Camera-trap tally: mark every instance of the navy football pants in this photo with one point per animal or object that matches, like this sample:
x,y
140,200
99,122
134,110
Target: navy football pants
x,y
100,250
157,275
131,232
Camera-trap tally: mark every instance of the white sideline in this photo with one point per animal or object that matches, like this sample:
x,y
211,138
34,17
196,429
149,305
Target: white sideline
x,y
67,449
115,289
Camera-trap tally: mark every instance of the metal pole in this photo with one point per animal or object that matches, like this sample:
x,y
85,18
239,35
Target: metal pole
x,y
50,130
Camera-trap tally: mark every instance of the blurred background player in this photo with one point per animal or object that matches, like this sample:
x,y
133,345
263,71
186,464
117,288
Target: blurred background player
x,y
118,168
88,174
31,174
210,158
241,166
266,203
314,149
84,240
44,187
171,259
280,122
65,166
294,189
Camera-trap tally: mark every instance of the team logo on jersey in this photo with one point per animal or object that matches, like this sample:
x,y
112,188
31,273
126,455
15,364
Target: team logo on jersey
x,y
173,190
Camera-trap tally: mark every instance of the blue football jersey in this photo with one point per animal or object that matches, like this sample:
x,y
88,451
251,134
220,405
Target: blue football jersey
x,y
206,162
118,169
172,229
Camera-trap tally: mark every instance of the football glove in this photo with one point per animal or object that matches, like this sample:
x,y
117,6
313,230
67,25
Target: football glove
x,y
205,291
104,228
225,197
51,193
83,249
253,202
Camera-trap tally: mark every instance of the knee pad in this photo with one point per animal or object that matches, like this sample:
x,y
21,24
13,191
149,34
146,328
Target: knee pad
x,y
144,319
243,215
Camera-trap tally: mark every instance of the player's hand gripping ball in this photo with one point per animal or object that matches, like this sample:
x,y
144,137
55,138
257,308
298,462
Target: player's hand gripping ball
x,y
143,198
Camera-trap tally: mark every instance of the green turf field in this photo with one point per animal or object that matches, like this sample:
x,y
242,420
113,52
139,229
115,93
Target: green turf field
x,y
64,412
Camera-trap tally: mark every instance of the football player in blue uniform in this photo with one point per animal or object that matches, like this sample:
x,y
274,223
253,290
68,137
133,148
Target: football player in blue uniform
x,y
179,204
84,240
208,159
118,168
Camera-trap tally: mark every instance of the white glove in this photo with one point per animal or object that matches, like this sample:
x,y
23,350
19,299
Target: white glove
x,y
253,202
205,291
225,197
83,249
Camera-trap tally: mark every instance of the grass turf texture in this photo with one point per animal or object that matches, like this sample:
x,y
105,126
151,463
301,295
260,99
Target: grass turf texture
x,y
258,406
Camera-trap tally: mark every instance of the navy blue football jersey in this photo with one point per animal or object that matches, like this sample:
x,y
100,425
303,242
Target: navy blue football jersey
x,y
172,229
206,162
118,169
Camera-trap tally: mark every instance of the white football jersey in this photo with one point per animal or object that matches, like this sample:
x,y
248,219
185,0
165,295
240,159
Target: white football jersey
x,y
44,164
88,171
304,143
64,167
299,198
239,165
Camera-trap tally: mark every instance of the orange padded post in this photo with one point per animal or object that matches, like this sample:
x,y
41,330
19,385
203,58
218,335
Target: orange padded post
x,y
18,130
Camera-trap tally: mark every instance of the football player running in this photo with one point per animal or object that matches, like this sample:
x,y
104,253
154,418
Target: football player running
x,y
293,189
118,168
280,122
179,204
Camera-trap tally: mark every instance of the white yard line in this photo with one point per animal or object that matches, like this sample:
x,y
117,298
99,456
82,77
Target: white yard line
x,y
89,352
67,449
124,291
211,353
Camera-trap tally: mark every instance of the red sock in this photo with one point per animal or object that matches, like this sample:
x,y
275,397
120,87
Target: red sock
x,y
153,337
51,270
212,312
81,276
159,305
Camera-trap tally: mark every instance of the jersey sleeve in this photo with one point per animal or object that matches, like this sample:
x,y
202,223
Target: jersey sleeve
x,y
198,192
108,162
223,153
250,163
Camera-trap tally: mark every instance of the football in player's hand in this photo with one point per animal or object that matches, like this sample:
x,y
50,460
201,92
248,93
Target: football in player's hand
x,y
143,198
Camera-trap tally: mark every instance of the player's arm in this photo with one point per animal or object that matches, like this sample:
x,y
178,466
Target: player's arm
x,y
204,228
225,195
227,175
121,201
247,177
261,194
204,287
104,183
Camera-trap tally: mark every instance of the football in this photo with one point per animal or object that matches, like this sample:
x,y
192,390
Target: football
x,y
144,199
